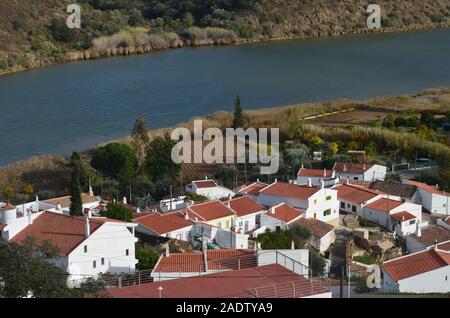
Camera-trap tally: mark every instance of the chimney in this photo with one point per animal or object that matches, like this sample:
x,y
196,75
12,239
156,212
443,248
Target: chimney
x,y
345,167
58,207
167,252
303,166
418,231
322,184
36,204
292,245
257,180
347,181
186,216
124,200
91,192
275,180
309,182
324,172
206,177
272,210
30,216
89,213
364,166
87,227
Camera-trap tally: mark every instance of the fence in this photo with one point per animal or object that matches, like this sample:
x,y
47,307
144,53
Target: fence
x,y
413,165
295,289
122,280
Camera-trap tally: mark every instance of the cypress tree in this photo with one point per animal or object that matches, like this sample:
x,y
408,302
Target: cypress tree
x,y
76,205
238,120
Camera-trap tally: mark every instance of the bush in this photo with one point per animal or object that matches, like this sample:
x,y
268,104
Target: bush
x,y
367,258
3,64
114,159
118,212
147,256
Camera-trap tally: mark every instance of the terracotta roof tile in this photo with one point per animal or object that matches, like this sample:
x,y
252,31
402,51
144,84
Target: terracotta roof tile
x,y
245,206
205,184
284,212
64,232
65,201
295,191
428,188
384,204
317,173
403,216
164,223
355,194
217,259
350,167
210,210
229,284
394,187
415,264
253,188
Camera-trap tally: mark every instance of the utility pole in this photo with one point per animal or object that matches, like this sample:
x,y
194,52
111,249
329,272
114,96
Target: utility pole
x,y
341,289
349,279
170,207
130,193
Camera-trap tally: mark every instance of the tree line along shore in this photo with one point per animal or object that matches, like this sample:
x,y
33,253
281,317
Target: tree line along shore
x,y
391,130
35,33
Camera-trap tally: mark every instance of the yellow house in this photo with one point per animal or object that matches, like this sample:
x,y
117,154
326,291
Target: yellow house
x,y
215,213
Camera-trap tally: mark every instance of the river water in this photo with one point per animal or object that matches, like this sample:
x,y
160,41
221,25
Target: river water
x,y
62,108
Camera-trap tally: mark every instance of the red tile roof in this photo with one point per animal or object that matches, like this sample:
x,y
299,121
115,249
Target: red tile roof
x,y
428,188
384,204
352,168
317,173
217,260
403,216
210,210
355,194
245,206
288,190
284,212
64,232
164,223
447,220
415,264
431,234
444,246
253,188
205,184
229,284
65,201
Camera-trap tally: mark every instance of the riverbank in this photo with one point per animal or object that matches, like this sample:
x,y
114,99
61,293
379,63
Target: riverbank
x,y
93,53
51,173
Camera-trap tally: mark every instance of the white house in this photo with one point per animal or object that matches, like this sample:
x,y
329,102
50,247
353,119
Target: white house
x,y
359,171
316,176
353,197
173,204
431,198
86,246
317,203
427,235
422,272
175,225
215,213
395,215
322,234
248,213
279,217
209,189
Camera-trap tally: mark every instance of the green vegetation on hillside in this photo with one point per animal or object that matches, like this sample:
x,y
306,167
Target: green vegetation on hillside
x,y
34,32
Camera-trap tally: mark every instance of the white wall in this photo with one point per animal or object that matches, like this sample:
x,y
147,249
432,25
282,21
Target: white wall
x,y
430,282
215,193
182,234
251,222
301,256
110,241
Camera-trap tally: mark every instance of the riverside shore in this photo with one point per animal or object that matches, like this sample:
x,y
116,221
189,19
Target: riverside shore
x,y
92,53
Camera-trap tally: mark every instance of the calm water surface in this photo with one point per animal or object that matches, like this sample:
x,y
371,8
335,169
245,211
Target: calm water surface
x,y
75,106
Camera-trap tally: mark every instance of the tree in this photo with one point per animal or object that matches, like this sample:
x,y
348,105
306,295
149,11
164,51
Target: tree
x,y
147,256
227,174
317,263
76,204
7,193
140,139
60,31
159,163
114,159
238,115
118,212
27,270
427,118
315,142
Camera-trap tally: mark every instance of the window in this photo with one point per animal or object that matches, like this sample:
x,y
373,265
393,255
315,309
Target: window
x,y
315,201
355,178
85,248
327,212
219,225
412,222
127,252
328,198
342,205
240,223
94,264
353,208
348,205
103,261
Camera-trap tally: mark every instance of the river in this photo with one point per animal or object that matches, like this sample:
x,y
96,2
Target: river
x,y
62,108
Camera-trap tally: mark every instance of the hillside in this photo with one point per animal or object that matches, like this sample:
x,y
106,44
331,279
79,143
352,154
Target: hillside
x,y
33,32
